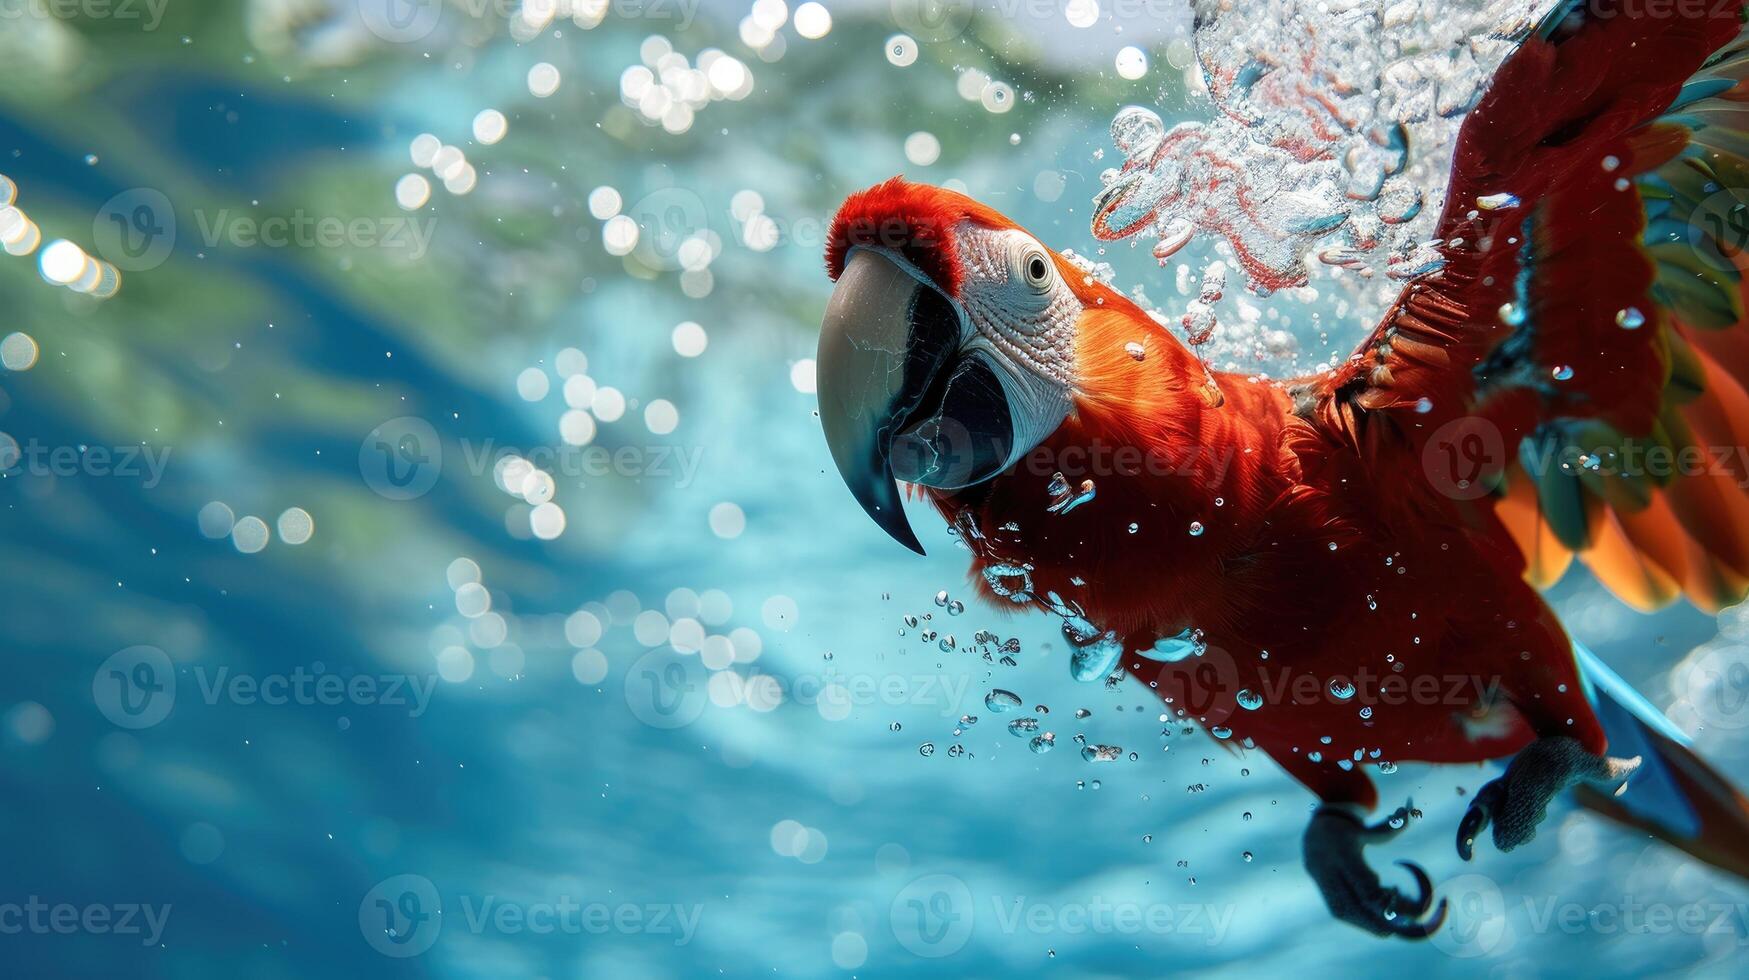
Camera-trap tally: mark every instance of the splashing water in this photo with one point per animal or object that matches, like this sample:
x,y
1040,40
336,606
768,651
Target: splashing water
x,y
1333,136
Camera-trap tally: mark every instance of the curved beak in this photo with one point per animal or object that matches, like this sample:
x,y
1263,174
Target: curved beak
x,y
897,399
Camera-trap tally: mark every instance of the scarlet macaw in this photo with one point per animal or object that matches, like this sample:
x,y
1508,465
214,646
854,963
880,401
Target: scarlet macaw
x,y
1319,526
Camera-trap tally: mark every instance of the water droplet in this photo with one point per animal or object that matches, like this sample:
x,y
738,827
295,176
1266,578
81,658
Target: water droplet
x,y
1064,499
1247,856
1043,743
1101,753
1135,350
1250,700
941,598
1023,727
1341,688
1562,372
1171,649
926,750
999,701
1196,529
1221,731
1630,319
1093,653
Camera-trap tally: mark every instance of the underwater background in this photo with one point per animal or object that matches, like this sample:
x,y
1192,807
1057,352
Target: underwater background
x,y
421,556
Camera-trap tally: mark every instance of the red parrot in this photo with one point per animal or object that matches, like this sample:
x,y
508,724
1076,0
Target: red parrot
x,y
1252,548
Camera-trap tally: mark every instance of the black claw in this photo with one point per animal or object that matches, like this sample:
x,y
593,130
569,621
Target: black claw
x,y
1474,822
1476,819
1423,884
1332,850
1420,929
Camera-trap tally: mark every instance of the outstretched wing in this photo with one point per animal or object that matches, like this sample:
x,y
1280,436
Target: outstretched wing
x,y
1588,321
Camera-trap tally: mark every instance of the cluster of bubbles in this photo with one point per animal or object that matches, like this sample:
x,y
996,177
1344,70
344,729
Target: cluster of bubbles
x,y
486,629
446,162
535,487
759,231
792,839
994,95
665,234
66,264
668,90
534,16
685,620
762,28
1333,140
587,404
18,233
587,401
251,534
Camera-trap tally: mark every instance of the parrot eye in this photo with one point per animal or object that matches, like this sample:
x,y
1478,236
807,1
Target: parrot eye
x,y
1036,268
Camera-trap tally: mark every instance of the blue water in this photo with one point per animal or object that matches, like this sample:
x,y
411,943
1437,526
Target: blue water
x,y
523,822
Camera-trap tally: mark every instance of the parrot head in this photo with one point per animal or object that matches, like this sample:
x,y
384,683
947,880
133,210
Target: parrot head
x,y
948,348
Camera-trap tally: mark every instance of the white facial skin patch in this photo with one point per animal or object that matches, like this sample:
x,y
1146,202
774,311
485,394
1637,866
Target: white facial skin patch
x,y
1022,318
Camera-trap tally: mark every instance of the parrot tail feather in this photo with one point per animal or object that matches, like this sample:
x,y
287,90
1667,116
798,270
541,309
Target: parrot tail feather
x,y
1674,795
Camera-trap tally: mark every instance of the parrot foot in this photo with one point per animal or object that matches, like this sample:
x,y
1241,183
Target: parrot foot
x,y
1518,801
1332,851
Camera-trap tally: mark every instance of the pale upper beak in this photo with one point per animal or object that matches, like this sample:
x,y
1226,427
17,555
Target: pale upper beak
x,y
899,399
